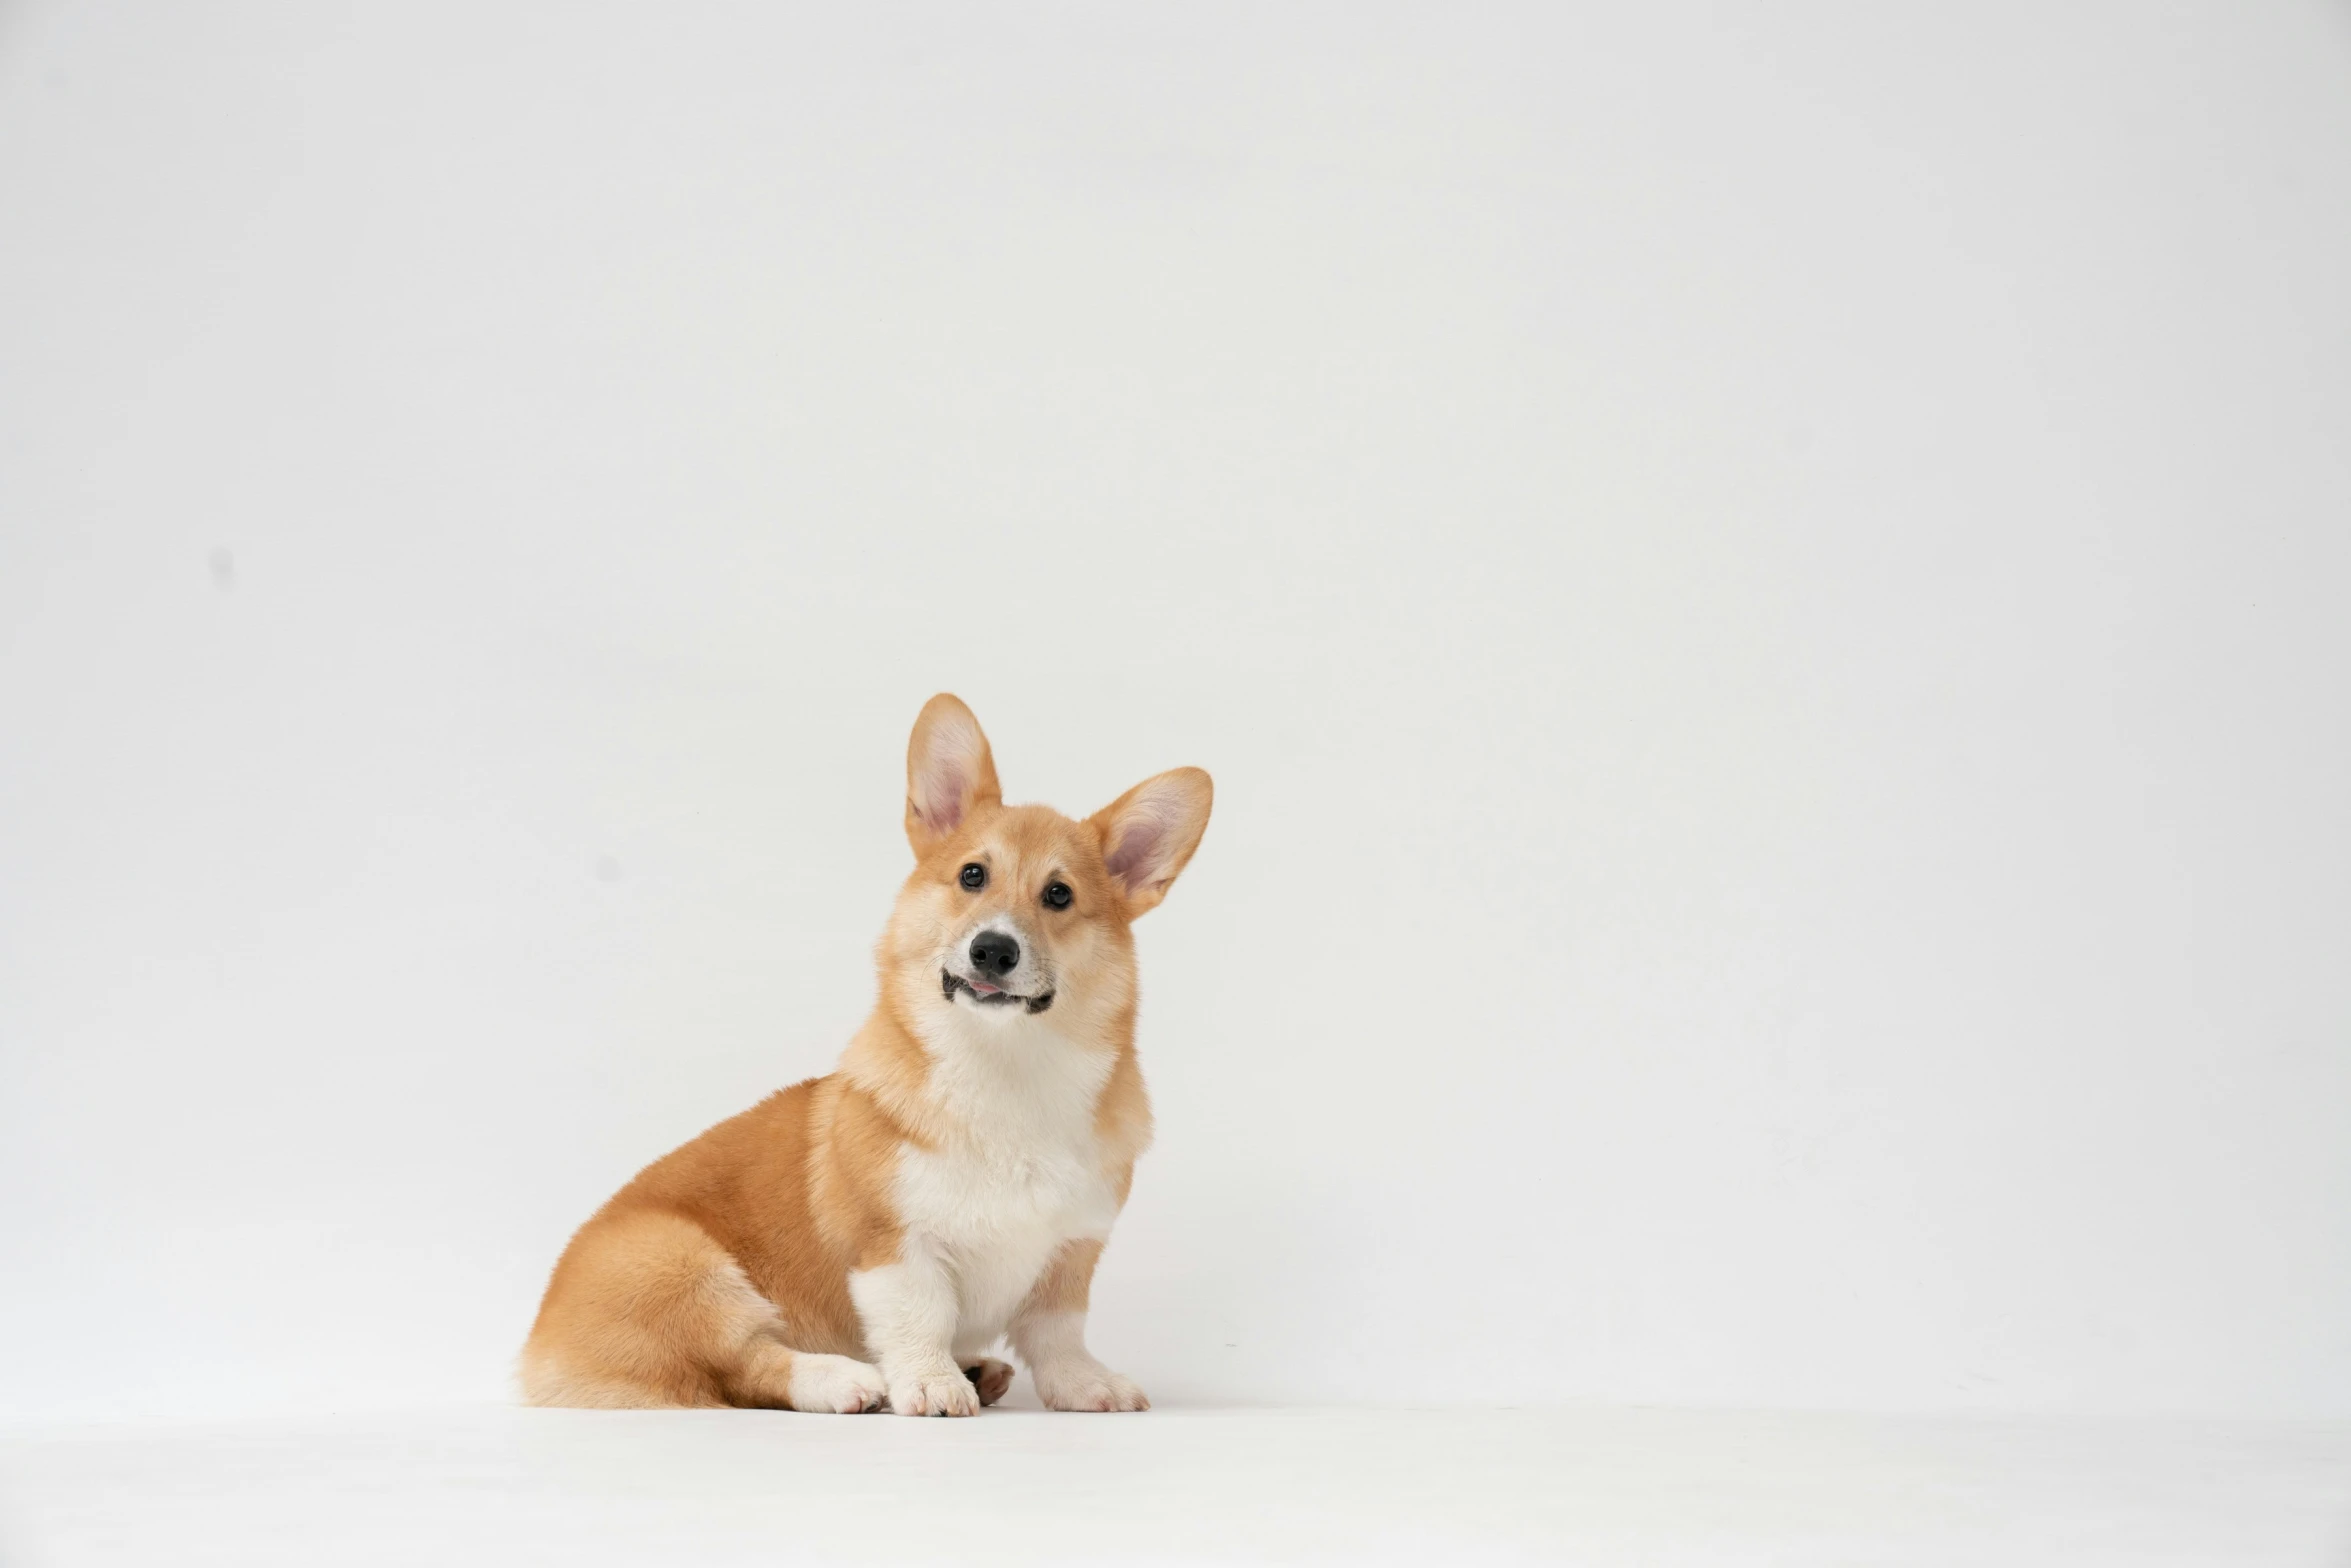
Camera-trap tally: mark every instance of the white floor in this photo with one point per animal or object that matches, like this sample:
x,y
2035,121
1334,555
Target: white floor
x,y
1178,1485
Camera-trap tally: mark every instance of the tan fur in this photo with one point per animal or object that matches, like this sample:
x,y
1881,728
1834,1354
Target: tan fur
x,y
1068,1285
701,1281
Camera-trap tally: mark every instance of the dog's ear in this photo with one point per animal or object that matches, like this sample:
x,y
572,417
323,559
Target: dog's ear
x,y
1149,832
949,772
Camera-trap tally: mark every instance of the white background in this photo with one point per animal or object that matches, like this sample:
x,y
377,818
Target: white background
x,y
1764,589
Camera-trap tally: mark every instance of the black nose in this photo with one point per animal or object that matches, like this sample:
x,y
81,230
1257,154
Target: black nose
x,y
992,952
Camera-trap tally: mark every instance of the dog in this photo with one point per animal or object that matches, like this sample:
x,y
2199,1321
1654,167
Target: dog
x,y
862,1239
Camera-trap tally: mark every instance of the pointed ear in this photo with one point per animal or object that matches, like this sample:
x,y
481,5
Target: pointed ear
x,y
1150,831
949,771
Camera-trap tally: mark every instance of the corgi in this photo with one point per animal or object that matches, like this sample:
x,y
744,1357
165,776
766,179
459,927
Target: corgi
x,y
862,1240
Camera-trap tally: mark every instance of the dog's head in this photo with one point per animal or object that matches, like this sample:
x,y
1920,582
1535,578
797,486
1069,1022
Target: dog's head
x,y
1013,910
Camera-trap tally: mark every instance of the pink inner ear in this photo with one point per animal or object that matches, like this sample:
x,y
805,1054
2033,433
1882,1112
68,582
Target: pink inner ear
x,y
942,803
1138,848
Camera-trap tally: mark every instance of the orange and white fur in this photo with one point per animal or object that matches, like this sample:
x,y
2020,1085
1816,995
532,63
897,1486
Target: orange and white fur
x,y
864,1238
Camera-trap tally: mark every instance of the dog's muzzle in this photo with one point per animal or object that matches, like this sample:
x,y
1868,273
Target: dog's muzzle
x,y
987,994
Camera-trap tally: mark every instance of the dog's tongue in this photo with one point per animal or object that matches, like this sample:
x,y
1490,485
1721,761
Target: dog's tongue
x,y
982,988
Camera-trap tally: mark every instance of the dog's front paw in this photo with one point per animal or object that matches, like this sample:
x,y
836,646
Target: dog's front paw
x,y
991,1377
836,1385
934,1391
1086,1385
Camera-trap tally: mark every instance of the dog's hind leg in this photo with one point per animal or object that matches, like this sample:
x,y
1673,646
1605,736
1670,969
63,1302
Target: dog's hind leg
x,y
646,1310
990,1376
770,1375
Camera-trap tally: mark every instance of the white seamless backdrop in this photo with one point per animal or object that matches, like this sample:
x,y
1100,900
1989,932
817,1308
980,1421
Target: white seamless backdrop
x,y
1764,589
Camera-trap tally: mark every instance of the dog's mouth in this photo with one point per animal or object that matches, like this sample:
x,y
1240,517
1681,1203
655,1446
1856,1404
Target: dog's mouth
x,y
987,995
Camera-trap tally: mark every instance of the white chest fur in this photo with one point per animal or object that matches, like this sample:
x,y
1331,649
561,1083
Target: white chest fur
x,y
1020,1172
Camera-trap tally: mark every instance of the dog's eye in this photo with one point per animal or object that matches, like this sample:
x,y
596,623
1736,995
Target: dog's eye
x,y
1057,895
974,876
